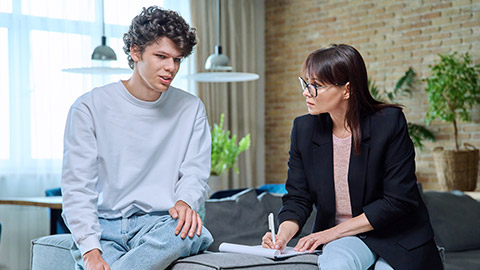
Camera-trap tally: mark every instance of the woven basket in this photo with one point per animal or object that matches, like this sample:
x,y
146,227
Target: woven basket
x,y
457,170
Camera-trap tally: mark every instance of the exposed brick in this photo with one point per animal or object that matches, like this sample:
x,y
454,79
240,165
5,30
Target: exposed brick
x,y
421,24
430,30
391,35
472,24
441,6
431,15
413,33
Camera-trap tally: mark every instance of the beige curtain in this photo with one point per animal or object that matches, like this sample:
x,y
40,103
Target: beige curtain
x,y
242,40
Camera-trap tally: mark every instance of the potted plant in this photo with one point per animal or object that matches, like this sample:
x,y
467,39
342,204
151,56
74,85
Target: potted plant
x,y
225,152
453,88
404,87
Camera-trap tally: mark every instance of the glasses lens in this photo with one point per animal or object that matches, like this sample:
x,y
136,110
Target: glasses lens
x,y
307,86
303,83
312,90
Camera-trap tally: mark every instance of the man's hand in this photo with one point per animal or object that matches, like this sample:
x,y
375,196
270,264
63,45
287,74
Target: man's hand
x,y
93,260
187,218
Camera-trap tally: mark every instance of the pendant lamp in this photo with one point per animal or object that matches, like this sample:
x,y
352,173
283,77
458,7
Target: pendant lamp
x,y
101,55
217,67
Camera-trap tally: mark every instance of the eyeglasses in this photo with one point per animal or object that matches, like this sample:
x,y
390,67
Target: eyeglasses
x,y
312,88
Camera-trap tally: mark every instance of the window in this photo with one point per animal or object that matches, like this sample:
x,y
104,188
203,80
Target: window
x,y
53,91
123,14
78,10
39,38
6,6
4,97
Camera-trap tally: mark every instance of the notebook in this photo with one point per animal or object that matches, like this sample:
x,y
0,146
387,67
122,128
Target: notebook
x,y
260,251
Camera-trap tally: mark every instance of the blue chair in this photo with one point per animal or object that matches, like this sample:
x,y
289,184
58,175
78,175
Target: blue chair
x,y
57,225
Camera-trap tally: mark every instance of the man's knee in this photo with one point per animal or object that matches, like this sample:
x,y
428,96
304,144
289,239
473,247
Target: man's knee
x,y
193,245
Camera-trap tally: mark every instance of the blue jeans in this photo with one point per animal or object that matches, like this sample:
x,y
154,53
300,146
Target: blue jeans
x,y
144,242
349,253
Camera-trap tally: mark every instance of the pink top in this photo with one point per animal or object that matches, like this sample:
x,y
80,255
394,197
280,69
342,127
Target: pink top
x,y
341,160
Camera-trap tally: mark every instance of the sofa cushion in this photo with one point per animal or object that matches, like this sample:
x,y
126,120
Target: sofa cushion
x,y
455,219
243,218
469,259
242,261
238,219
52,252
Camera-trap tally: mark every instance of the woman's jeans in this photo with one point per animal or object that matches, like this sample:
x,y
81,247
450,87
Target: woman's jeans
x,y
349,253
144,242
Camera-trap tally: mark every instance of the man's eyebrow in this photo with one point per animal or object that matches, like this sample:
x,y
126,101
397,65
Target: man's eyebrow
x,y
163,52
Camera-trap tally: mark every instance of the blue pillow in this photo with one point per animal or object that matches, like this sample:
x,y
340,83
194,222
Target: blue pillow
x,y
273,188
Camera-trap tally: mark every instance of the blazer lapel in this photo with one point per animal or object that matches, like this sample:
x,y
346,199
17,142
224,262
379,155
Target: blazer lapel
x,y
358,169
322,156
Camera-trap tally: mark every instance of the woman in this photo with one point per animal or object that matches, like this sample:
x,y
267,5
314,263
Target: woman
x,y
352,158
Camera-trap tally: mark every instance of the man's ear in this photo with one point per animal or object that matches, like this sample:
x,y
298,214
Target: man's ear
x,y
346,91
135,53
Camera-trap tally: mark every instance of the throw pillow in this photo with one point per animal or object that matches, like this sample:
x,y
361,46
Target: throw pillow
x,y
455,219
238,219
272,204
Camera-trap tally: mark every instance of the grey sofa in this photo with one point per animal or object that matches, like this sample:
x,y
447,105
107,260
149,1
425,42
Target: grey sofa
x,y
242,218
455,219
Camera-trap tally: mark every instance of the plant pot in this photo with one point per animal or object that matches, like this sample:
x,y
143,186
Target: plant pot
x,y
457,170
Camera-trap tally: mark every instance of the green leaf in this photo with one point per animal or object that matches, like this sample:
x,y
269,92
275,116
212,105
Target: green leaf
x,y
225,150
453,88
418,133
404,87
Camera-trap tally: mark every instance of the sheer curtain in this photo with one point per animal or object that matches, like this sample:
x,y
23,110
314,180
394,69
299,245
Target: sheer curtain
x,y
242,40
39,38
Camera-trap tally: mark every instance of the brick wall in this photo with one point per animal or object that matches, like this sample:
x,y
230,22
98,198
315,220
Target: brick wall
x,y
391,35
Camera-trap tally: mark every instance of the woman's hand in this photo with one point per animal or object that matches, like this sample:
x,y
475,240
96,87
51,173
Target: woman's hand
x,y
285,232
353,226
280,241
314,240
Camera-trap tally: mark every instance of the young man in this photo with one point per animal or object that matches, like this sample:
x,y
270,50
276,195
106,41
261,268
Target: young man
x,y
137,157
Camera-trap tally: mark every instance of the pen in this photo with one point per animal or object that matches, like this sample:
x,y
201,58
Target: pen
x,y
271,226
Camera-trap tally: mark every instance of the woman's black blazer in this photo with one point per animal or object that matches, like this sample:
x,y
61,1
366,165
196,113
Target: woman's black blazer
x,y
382,185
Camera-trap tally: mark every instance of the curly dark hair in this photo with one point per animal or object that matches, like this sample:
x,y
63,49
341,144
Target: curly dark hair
x,y
155,22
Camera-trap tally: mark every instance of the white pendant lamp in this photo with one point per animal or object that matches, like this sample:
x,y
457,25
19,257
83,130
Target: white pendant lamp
x,y
100,56
217,64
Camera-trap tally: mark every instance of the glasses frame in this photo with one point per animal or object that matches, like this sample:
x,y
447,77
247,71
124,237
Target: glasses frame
x,y
307,86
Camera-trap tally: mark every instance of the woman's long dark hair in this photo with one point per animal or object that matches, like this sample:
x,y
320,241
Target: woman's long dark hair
x,y
339,65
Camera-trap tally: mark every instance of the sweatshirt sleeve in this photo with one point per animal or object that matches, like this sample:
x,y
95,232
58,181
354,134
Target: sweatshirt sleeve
x,y
79,179
192,186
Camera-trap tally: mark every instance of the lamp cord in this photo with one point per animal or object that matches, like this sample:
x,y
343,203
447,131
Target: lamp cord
x,y
219,28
